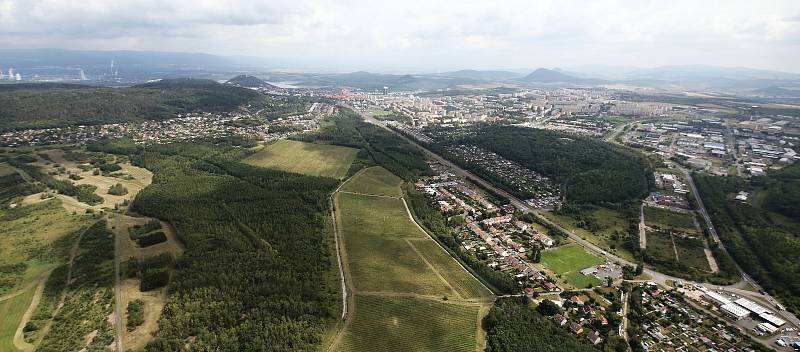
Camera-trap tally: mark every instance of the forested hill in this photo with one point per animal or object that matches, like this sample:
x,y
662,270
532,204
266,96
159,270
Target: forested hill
x,y
591,170
259,270
57,105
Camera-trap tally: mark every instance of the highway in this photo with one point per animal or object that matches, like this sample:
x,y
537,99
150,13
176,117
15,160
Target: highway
x,y
655,276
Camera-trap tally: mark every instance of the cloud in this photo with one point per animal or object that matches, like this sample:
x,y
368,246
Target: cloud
x,y
416,34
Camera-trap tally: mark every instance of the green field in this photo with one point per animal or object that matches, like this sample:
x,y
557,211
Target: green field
x,y
568,261
34,238
610,222
379,258
659,245
11,312
305,158
667,219
375,180
462,282
410,324
689,250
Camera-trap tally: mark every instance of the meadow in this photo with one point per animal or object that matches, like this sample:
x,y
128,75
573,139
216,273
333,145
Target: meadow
x,y
305,158
667,219
11,312
410,324
610,236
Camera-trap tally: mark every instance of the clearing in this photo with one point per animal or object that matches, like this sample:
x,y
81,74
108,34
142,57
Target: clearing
x,y
305,158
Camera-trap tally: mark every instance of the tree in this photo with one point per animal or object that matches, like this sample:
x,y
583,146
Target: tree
x,y
548,308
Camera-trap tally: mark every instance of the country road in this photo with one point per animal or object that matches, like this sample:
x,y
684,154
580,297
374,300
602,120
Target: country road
x,y
655,276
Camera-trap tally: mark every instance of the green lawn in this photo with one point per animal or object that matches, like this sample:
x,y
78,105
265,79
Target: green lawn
x,y
11,312
666,219
305,158
410,325
568,261
375,180
569,258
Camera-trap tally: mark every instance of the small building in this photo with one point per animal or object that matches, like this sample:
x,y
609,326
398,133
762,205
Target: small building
x,y
767,328
560,320
576,328
594,338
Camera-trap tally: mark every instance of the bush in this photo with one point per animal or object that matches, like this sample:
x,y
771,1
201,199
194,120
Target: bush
x,y
154,278
117,190
135,314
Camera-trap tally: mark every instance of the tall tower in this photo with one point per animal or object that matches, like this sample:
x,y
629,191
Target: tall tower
x,y
1,74
11,73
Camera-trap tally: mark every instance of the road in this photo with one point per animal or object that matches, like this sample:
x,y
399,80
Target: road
x,y
655,276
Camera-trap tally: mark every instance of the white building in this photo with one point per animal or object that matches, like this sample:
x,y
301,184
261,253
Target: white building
x,y
734,311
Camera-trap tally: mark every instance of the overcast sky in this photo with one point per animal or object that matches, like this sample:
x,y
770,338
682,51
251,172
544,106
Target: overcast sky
x,y
424,35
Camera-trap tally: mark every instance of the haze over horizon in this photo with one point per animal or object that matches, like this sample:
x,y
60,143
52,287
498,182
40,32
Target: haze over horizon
x,y
423,36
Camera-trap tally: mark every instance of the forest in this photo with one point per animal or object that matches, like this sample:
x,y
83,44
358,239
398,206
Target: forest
x,y
257,274
763,242
378,146
512,325
589,170
45,105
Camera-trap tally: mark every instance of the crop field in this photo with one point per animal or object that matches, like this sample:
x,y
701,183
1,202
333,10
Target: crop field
x,y
667,219
410,324
378,256
375,180
305,158
447,266
11,312
568,260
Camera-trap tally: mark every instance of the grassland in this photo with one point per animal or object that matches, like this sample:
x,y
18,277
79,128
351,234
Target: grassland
x,y
6,169
375,180
409,294
610,222
667,247
33,239
568,260
11,312
666,219
305,158
410,324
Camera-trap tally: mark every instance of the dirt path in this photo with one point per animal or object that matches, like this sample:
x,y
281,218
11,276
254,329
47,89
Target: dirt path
x,y
674,248
369,195
19,340
712,263
18,292
642,229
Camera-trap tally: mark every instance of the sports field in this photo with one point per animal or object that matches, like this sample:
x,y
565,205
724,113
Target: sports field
x,y
568,261
305,158
410,324
375,180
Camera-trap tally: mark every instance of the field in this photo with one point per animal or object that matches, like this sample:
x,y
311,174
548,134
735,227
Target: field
x,y
688,251
33,239
5,169
410,324
305,158
376,181
667,219
11,312
610,221
568,260
409,293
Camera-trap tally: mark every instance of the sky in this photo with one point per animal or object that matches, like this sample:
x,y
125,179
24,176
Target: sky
x,y
431,35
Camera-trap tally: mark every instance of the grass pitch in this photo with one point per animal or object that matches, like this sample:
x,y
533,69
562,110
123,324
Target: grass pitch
x,y
305,158
568,261
375,180
410,324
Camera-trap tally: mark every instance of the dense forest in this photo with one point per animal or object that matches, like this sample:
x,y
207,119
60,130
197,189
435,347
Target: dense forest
x,y
763,242
590,171
44,105
378,146
513,326
258,273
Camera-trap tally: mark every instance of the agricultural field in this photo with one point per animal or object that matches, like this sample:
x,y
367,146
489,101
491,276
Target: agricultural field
x,y
409,293
305,158
611,232
410,324
375,180
666,219
568,260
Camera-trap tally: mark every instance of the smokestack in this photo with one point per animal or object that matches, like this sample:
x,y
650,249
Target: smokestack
x,y
83,76
19,77
11,73
1,74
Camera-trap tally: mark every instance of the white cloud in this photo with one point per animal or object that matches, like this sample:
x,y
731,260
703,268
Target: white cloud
x,y
424,34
